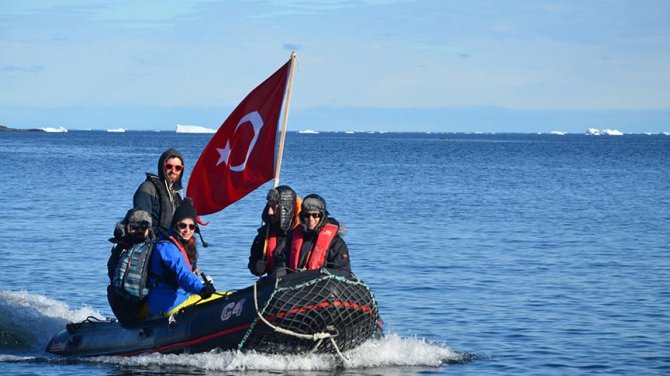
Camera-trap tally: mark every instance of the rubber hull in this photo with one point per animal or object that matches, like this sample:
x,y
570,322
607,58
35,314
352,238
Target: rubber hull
x,y
294,307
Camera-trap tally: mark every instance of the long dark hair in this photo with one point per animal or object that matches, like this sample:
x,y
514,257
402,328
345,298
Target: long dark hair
x,y
192,252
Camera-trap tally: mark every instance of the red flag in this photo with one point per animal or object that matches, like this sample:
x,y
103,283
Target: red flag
x,y
240,157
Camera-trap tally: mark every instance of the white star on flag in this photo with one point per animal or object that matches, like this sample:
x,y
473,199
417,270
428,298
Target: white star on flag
x,y
224,154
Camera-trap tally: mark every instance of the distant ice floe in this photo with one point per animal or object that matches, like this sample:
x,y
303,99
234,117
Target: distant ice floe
x,y
193,129
54,130
603,132
308,131
558,133
116,130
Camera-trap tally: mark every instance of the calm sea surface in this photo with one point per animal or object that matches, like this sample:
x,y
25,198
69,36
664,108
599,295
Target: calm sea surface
x,y
488,254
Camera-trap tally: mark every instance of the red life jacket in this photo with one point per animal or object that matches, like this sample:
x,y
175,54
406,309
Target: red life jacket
x,y
182,250
317,256
270,253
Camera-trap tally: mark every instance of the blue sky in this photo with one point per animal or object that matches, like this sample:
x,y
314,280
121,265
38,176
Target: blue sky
x,y
364,65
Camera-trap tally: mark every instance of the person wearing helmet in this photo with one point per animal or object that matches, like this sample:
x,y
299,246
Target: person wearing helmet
x,y
279,219
316,243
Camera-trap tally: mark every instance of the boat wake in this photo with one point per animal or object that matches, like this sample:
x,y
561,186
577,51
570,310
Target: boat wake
x,y
28,321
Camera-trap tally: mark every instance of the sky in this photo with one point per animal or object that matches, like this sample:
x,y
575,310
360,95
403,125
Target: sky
x,y
364,65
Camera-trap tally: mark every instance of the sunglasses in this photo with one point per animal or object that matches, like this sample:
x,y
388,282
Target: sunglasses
x,y
177,168
183,226
313,215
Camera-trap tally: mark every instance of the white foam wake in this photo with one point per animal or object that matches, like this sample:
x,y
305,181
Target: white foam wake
x,y
28,321
389,352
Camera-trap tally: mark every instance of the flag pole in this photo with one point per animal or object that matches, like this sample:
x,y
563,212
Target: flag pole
x,y
287,104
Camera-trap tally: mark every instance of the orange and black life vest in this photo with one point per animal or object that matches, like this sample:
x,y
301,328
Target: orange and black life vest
x,y
317,256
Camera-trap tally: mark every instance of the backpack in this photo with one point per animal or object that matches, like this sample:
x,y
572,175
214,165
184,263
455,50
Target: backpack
x,y
132,271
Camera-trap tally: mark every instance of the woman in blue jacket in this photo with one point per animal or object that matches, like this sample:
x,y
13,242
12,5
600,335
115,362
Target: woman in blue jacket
x,y
173,270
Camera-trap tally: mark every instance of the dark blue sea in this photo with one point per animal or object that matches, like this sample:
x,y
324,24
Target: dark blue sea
x,y
488,253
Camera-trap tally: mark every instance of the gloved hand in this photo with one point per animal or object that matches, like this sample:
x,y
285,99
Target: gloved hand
x,y
280,271
260,267
207,290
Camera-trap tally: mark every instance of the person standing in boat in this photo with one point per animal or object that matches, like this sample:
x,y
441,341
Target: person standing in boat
x,y
137,229
279,219
316,243
173,272
159,194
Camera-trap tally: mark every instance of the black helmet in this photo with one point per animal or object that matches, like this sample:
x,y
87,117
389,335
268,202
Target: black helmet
x,y
284,197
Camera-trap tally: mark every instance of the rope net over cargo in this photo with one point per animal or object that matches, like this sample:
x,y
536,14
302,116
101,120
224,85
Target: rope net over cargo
x,y
298,317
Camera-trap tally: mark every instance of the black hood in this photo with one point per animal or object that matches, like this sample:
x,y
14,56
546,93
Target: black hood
x,y
171,153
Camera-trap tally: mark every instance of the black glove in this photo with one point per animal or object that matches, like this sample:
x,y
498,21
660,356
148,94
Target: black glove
x,y
260,267
207,290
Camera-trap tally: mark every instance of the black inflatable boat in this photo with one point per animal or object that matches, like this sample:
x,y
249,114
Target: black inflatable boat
x,y
324,311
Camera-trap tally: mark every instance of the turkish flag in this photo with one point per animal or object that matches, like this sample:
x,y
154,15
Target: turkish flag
x,y
240,157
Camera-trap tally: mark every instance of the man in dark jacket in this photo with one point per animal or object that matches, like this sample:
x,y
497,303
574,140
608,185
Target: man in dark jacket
x,y
137,229
159,194
316,243
279,219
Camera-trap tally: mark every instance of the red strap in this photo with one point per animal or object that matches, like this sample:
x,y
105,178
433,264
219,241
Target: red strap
x,y
182,250
317,257
270,252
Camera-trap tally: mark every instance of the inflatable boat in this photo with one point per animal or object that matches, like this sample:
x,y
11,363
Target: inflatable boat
x,y
323,311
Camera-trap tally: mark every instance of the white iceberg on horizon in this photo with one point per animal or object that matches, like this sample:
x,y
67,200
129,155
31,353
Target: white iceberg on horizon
x,y
308,131
606,132
116,130
193,129
54,130
558,133
612,132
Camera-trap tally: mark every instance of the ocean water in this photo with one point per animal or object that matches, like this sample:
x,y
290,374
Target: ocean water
x,y
488,254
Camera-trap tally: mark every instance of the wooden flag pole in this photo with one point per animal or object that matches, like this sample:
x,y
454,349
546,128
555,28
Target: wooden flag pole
x,y
289,88
287,104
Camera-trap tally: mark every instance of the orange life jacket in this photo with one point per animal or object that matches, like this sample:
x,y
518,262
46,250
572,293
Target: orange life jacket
x,y
317,256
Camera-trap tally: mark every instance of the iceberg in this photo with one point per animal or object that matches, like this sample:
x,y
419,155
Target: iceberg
x,y
193,129
308,131
116,130
54,130
606,132
558,133
612,132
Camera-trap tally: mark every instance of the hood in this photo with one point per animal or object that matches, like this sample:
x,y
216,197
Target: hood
x,y
314,202
170,153
286,199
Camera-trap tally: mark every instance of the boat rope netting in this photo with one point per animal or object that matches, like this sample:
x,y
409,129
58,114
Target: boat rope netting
x,y
293,318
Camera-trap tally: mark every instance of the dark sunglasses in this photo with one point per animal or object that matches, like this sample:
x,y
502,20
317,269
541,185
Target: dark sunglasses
x,y
183,226
177,168
313,215
139,226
